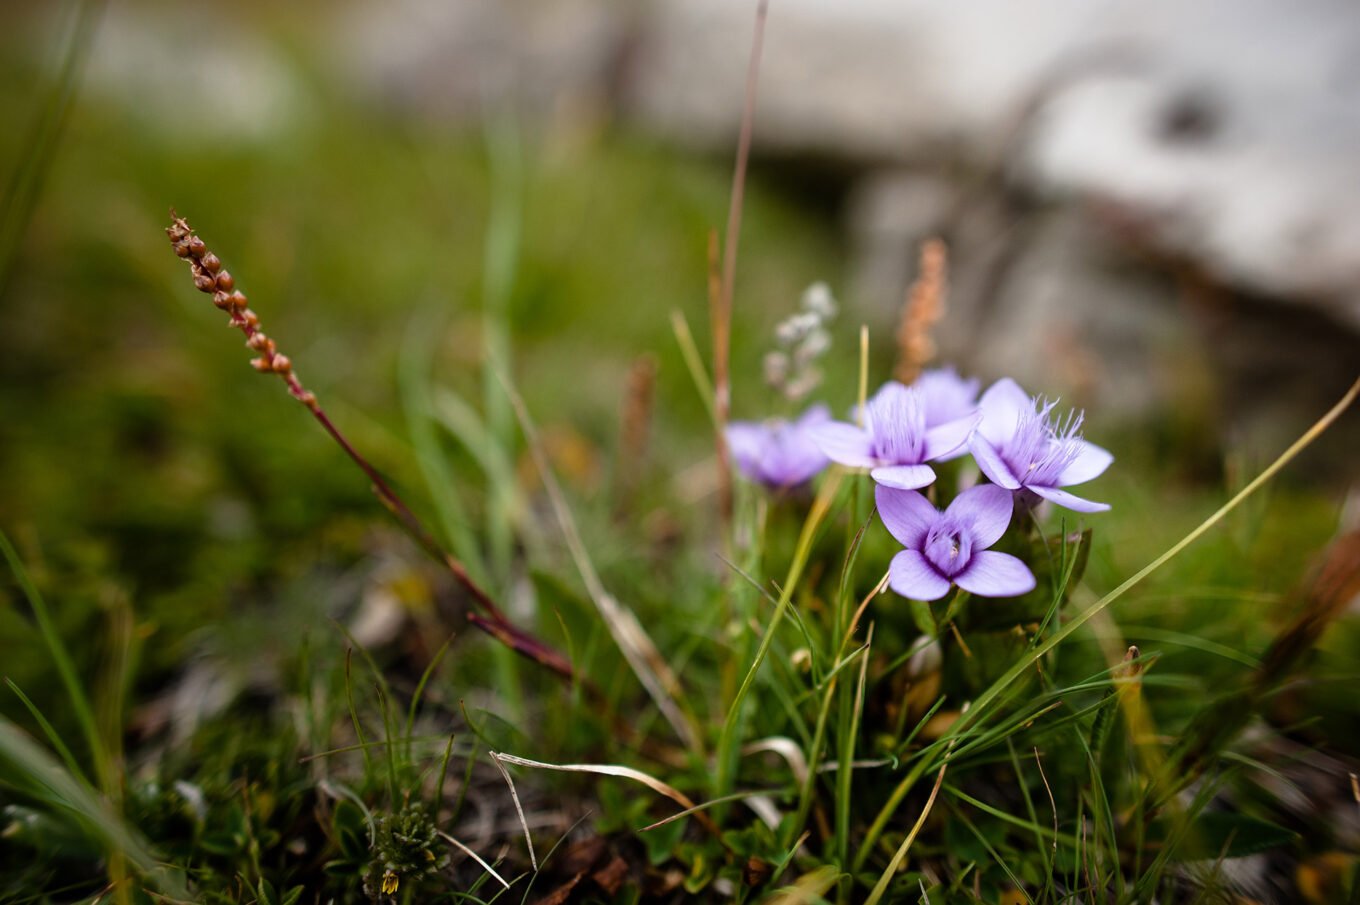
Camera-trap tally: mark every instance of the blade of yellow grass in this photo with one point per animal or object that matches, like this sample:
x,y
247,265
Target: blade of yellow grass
x,y
882,885
808,888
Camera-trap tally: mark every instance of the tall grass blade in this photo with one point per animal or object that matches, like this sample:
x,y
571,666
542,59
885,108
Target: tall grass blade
x,y
61,658
48,781
40,145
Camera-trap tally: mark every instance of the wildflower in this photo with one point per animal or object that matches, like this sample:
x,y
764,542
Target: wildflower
x,y
1020,445
896,440
779,453
946,396
950,547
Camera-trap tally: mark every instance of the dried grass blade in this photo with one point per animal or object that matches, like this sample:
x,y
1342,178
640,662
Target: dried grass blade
x,y
474,856
786,748
632,640
650,782
519,808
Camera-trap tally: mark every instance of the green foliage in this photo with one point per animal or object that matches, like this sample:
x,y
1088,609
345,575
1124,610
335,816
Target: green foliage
x,y
240,731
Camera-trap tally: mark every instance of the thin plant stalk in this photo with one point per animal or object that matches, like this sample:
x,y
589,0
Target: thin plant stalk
x,y
210,277
721,301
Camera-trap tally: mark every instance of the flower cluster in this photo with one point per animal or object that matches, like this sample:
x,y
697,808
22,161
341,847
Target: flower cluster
x,y
1026,450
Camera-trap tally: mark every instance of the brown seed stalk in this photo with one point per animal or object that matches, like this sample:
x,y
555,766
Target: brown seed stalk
x,y
210,277
923,309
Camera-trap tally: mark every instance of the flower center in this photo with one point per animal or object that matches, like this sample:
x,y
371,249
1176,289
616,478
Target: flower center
x,y
948,548
1042,446
897,421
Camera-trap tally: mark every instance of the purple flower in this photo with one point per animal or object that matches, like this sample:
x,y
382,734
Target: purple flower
x,y
778,453
895,441
950,547
946,396
1021,445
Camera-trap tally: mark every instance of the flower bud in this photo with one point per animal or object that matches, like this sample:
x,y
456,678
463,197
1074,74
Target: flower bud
x,y
221,300
238,300
282,364
212,263
261,365
197,247
259,342
225,281
203,282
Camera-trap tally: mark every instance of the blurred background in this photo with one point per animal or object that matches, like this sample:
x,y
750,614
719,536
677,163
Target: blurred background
x,y
1152,209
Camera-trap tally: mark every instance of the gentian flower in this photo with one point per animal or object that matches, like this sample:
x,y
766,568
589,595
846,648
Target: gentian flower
x,y
946,396
779,453
895,441
950,547
1021,446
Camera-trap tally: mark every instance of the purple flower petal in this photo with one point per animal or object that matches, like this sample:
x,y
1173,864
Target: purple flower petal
x,y
991,463
1089,463
911,576
904,477
985,510
817,414
845,444
993,574
747,441
1002,406
1069,500
949,438
906,514
946,396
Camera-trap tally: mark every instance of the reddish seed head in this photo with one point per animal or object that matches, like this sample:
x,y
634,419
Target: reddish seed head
x,y
257,341
197,247
238,300
212,263
182,249
203,282
221,300
250,317
225,280
282,364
